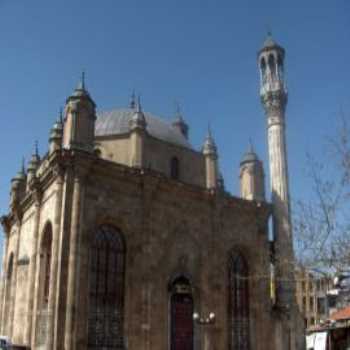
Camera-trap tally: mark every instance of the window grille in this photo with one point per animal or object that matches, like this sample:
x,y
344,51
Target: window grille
x,y
106,290
239,303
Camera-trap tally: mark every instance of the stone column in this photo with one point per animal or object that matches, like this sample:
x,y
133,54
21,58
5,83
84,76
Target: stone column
x,y
72,260
54,262
32,268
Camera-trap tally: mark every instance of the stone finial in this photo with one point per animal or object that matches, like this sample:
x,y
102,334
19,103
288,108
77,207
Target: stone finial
x,y
138,120
133,100
179,121
209,146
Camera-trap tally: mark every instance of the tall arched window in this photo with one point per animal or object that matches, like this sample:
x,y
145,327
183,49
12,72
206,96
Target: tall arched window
x,y
181,308
174,168
106,289
45,268
272,65
8,295
44,285
263,69
239,303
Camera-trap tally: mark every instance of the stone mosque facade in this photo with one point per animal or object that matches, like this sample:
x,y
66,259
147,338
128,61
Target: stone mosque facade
x,y
123,236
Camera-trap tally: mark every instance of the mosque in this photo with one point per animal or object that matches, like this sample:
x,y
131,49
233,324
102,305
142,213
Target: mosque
x,y
123,236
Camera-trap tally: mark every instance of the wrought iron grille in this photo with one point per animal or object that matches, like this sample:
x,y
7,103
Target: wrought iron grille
x,y
239,303
105,323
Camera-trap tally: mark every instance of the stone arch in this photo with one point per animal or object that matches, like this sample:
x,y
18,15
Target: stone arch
x,y
106,288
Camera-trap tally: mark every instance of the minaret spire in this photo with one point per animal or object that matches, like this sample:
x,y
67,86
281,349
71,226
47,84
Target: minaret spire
x,y
273,94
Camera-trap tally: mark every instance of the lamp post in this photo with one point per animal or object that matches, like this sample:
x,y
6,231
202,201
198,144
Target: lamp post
x,y
205,321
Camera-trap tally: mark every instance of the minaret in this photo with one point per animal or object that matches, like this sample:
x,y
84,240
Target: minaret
x,y
273,95
79,122
252,178
211,162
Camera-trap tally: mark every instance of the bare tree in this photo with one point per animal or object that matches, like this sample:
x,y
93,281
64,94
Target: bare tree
x,y
322,225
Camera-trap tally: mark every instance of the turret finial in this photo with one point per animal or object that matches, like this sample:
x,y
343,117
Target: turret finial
x,y
23,168
36,148
139,106
178,109
83,80
60,116
210,136
133,100
251,147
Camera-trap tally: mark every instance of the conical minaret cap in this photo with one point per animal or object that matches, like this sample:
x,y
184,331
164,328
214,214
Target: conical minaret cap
x,y
80,91
138,120
270,44
21,175
209,146
179,122
250,156
35,160
57,128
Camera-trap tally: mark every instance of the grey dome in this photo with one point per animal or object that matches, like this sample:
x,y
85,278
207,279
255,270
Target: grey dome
x,y
250,156
117,122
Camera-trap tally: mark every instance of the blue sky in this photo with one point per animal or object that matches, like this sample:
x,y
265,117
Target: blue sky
x,y
201,53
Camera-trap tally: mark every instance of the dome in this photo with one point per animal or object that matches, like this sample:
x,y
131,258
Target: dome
x,y
117,122
250,156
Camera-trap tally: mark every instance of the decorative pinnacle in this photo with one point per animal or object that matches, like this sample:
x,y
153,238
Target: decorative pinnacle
x,y
133,99
139,106
178,109
36,148
251,147
83,80
60,116
23,169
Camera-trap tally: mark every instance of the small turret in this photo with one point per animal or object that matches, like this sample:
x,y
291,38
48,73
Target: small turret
x,y
56,135
79,123
18,188
33,166
137,126
252,178
179,123
211,161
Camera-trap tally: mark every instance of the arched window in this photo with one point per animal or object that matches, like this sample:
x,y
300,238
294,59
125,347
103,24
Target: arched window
x,y
272,65
280,66
174,168
181,308
45,268
263,69
10,268
106,289
44,286
8,295
239,303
